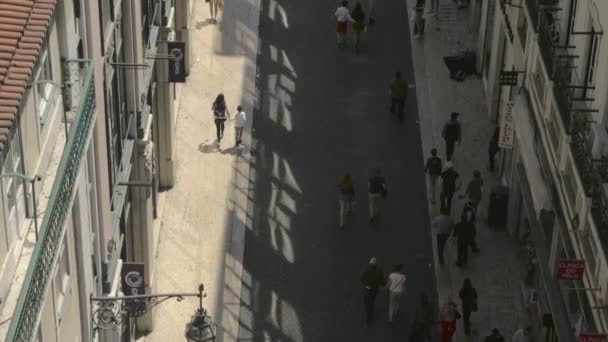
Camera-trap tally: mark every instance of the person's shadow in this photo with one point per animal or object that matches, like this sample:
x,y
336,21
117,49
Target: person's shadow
x,y
206,147
199,25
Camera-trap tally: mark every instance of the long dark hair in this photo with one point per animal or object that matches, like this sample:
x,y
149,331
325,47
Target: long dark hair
x,y
467,285
219,103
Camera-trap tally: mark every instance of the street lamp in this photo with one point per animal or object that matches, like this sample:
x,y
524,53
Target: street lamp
x,y
110,312
32,181
199,329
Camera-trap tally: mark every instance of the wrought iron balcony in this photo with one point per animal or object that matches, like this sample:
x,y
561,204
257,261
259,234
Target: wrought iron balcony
x,y
548,37
31,297
535,7
562,89
581,149
599,208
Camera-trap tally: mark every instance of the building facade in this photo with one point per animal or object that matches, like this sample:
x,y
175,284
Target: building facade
x,y
87,122
544,64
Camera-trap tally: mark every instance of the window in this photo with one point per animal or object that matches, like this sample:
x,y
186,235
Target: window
x,y
44,83
593,53
62,279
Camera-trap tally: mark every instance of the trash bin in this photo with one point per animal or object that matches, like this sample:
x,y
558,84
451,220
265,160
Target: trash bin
x,y
498,207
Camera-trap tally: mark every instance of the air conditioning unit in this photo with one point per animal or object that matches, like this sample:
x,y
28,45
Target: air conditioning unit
x,y
598,139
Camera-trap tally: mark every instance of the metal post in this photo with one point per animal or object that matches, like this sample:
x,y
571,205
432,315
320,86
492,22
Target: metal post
x,y
33,182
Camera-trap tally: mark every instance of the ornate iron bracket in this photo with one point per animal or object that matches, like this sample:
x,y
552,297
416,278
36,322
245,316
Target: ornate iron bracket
x,y
110,312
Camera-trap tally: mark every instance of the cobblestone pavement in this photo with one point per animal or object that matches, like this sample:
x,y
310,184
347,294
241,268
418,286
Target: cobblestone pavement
x,y
496,271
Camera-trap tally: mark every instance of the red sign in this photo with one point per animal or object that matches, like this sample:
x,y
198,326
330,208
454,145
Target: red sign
x,y
571,269
592,338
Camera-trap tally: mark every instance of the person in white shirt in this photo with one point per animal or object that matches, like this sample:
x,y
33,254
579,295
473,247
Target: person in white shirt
x,y
522,335
239,124
396,287
343,17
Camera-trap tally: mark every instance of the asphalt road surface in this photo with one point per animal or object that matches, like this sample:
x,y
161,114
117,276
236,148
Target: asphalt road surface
x,y
321,112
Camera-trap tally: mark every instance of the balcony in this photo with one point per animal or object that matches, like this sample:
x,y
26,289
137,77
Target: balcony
x,y
535,7
31,297
562,90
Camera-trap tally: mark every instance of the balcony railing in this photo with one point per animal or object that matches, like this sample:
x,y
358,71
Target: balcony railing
x,y
581,149
548,38
31,297
562,90
599,208
535,7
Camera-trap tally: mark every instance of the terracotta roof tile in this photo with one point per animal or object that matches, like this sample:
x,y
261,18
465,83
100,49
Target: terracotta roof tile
x,y
23,25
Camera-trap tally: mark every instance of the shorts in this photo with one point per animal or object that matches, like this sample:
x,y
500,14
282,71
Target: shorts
x,y
342,27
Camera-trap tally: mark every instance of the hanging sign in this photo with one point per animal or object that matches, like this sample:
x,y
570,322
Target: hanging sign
x,y
177,61
570,269
507,127
592,338
132,278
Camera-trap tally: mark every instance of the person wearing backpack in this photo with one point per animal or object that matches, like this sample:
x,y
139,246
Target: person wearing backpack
x,y
220,114
452,134
376,189
433,168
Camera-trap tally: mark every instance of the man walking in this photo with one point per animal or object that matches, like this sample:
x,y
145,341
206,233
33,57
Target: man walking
x,y
474,189
493,148
449,184
433,169
396,288
464,233
452,134
372,279
443,225
398,96
377,189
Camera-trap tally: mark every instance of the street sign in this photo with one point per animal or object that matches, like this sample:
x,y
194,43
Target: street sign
x,y
592,338
571,269
508,78
177,62
132,278
507,127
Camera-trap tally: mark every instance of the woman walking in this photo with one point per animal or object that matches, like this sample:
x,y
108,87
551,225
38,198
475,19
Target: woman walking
x,y
396,287
468,297
343,18
220,113
347,197
359,24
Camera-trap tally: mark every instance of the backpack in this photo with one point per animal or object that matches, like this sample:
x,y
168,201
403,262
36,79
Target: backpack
x,y
451,131
434,166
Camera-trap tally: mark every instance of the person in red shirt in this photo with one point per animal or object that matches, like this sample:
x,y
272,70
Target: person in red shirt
x,y
447,319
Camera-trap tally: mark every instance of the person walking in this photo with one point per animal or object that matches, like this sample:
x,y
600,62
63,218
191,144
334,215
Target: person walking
x,y
359,17
372,279
433,167
474,189
495,336
214,8
447,320
343,17
443,225
419,19
452,134
469,213
468,298
347,197
493,148
239,124
396,287
376,189
464,232
398,96
450,183
220,113
424,317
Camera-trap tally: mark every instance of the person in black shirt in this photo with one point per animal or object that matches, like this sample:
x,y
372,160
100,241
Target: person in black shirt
x,y
433,168
449,184
377,190
372,279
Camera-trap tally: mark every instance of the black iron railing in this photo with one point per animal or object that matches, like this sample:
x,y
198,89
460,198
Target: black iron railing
x,y
562,90
535,7
581,149
548,38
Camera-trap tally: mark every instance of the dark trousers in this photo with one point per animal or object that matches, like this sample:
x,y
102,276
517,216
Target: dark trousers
x,y
466,320
492,156
239,134
369,298
397,107
449,149
462,247
442,238
446,200
219,127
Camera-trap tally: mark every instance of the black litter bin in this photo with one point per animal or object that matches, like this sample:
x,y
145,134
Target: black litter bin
x,y
497,210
